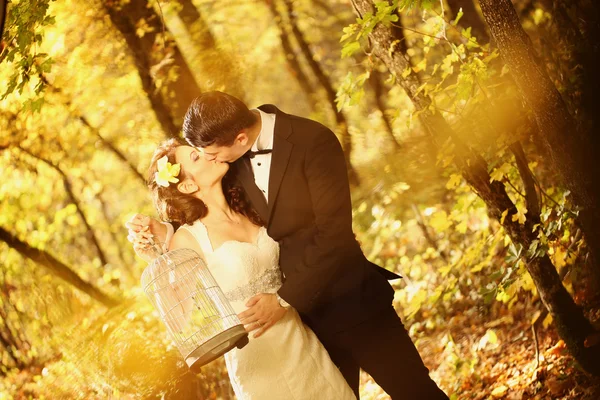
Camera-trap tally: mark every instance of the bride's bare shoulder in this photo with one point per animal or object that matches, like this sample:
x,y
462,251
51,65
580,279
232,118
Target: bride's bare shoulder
x,y
183,239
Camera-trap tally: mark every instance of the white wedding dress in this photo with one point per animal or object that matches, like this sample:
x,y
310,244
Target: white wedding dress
x,y
287,361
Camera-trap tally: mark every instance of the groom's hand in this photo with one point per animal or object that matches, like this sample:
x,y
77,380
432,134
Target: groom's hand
x,y
263,312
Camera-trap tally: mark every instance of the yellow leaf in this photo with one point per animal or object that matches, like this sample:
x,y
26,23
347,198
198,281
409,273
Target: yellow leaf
x,y
558,258
499,392
503,216
499,173
453,182
520,215
421,66
547,321
462,227
490,337
440,222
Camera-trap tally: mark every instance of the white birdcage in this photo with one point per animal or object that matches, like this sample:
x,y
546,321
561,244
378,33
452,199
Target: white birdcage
x,y
193,307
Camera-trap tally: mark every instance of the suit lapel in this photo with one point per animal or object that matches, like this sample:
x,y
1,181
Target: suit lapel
x,y
282,149
256,197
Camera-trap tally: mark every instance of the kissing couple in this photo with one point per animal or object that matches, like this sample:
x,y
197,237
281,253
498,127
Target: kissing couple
x,y
263,197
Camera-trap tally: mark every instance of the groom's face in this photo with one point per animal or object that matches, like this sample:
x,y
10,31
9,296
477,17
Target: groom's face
x,y
227,153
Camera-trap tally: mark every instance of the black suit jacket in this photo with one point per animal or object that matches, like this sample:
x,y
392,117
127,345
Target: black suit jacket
x,y
327,278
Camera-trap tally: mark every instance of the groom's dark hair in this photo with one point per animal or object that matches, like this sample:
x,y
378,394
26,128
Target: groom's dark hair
x,y
216,118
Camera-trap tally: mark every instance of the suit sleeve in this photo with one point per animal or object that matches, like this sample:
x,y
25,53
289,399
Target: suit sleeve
x,y
330,244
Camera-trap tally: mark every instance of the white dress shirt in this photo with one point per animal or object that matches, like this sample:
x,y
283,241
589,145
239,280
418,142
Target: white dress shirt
x,y
261,163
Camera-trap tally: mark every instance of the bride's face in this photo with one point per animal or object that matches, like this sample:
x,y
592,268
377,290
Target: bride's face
x,y
195,166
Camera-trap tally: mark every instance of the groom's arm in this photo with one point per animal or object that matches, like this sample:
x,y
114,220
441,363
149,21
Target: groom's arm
x,y
332,243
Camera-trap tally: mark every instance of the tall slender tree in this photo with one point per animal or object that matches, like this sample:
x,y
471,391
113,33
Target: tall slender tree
x,y
571,155
291,57
376,81
165,76
216,64
325,83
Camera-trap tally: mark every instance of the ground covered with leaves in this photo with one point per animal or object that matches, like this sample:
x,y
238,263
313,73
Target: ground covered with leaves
x,y
491,354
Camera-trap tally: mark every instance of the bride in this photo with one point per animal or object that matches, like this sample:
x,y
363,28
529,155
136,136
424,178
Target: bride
x,y
287,361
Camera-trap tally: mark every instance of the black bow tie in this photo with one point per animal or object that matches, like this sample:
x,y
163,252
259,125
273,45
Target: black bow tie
x,y
251,154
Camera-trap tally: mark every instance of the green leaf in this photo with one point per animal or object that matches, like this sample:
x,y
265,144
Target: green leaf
x,y
459,15
349,31
350,48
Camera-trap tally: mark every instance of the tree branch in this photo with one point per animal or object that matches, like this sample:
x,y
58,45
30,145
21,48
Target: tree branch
x,y
55,266
69,190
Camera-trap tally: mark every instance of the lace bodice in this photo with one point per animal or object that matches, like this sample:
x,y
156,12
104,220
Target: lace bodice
x,y
241,269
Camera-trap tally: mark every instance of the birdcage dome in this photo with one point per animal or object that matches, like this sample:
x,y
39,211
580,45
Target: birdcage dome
x,y
192,306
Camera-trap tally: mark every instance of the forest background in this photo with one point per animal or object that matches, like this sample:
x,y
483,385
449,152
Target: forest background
x,y
470,130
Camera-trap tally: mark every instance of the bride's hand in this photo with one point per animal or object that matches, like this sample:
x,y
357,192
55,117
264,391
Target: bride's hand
x,y
263,312
143,231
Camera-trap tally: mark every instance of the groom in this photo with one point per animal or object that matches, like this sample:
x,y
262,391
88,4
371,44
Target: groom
x,y
294,174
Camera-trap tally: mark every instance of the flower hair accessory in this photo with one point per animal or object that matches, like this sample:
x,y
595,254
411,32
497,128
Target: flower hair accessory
x,y
166,173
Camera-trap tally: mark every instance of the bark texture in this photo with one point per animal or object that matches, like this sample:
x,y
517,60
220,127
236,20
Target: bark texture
x,y
571,154
217,67
156,56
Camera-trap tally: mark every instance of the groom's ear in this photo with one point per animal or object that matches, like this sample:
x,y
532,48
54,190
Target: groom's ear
x,y
242,138
188,186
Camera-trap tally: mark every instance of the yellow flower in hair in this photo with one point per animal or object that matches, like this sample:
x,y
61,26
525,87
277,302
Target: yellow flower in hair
x,y
166,173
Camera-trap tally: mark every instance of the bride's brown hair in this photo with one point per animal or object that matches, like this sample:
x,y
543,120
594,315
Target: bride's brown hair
x,y
174,206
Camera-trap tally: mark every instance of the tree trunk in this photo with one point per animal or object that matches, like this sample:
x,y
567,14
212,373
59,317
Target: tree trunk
x,y
56,267
190,15
379,92
470,18
572,325
291,58
155,56
531,197
579,24
216,64
376,79
340,118
570,155
3,6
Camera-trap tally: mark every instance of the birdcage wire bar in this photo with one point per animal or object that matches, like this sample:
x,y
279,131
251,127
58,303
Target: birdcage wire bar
x,y
192,306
